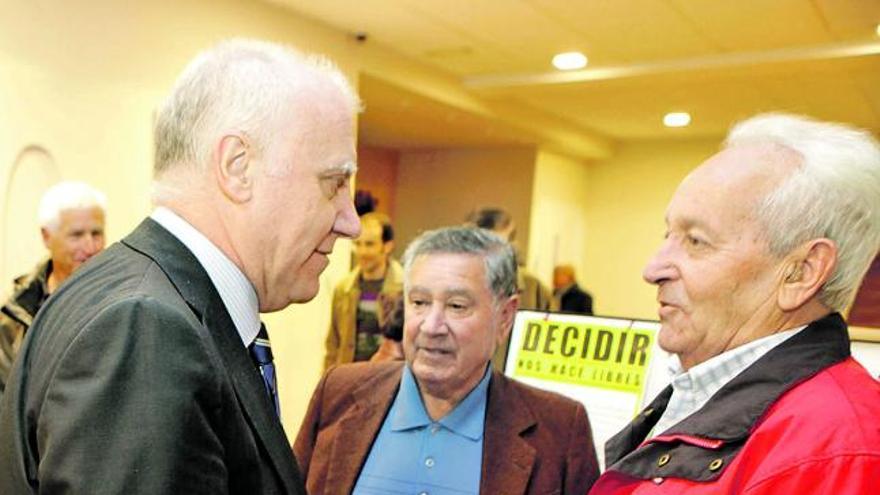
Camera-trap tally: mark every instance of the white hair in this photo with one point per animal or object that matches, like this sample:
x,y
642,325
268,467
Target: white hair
x,y
239,85
834,194
68,195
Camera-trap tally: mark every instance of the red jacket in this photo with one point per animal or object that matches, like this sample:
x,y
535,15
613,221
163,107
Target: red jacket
x,y
804,419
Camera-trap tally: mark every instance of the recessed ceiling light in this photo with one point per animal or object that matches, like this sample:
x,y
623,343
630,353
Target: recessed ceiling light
x,y
676,119
878,29
569,60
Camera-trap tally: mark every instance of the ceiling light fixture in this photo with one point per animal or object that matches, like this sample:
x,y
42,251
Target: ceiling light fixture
x,y
676,119
569,61
878,29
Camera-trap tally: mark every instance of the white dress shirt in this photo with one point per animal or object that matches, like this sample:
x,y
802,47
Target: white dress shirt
x,y
235,289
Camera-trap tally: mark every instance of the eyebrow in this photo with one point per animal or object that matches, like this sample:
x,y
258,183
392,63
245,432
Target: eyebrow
x,y
348,168
688,223
446,293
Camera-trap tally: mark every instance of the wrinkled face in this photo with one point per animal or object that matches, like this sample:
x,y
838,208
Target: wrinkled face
x,y
303,203
79,236
716,281
452,322
369,250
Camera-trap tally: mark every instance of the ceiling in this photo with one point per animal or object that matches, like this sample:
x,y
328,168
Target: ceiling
x,y
719,60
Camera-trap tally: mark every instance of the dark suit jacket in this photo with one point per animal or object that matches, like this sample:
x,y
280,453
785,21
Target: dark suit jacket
x,y
134,380
576,300
534,441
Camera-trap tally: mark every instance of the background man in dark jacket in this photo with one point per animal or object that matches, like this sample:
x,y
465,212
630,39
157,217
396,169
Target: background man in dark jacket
x,y
71,217
567,294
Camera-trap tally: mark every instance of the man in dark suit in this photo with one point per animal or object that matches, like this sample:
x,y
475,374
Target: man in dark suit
x,y
567,294
445,421
136,376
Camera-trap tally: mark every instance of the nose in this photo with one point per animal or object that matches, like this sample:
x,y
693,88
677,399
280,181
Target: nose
x,y
93,243
434,321
660,267
347,222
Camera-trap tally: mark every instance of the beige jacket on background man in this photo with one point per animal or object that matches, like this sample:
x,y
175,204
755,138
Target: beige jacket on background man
x,y
340,340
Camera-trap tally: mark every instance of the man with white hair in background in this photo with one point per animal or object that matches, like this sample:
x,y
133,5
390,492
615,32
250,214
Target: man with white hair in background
x,y
71,217
766,242
149,371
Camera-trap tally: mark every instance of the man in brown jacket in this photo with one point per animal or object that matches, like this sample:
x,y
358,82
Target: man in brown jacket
x,y
445,421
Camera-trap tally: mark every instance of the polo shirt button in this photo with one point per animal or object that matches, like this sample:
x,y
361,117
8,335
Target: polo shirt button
x,y
435,429
657,480
423,493
429,462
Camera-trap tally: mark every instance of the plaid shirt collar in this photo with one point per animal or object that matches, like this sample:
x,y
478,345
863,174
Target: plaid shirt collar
x,y
692,389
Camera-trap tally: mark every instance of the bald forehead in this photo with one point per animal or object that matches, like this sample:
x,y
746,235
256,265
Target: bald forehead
x,y
726,188
754,162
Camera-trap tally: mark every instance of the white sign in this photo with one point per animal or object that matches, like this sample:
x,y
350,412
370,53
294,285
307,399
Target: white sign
x,y
607,364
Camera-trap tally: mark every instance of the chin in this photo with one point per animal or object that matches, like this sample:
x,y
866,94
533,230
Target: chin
x,y
304,294
427,376
666,338
296,296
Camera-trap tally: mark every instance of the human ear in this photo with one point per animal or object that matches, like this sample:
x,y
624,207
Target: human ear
x,y
388,247
810,267
507,312
233,168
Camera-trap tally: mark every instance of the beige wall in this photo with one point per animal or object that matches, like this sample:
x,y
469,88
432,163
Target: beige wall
x,y
626,200
32,172
560,231
437,188
377,173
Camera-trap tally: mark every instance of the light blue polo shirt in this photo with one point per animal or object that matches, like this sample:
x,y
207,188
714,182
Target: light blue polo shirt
x,y
414,455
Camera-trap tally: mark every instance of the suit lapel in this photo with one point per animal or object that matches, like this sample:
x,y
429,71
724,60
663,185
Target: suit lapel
x,y
194,285
508,458
352,444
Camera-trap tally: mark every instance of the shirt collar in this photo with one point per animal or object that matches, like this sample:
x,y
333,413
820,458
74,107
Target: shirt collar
x,y
731,362
466,419
236,291
693,388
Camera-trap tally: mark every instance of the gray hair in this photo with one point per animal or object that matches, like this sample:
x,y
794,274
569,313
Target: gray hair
x,y
240,85
834,194
67,195
498,255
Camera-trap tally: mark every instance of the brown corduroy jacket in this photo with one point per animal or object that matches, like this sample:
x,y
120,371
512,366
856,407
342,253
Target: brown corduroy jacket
x,y
535,442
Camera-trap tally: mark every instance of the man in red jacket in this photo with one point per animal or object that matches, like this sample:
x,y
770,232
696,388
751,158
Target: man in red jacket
x,y
765,243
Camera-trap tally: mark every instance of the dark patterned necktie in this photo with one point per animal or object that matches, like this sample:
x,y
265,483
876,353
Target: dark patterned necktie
x,y
261,353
